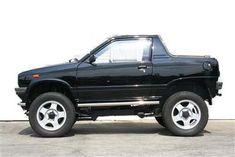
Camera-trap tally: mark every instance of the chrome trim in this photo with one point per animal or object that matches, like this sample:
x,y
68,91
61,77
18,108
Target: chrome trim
x,y
22,104
132,103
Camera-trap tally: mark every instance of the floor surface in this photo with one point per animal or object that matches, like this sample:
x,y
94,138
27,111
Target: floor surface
x,y
143,138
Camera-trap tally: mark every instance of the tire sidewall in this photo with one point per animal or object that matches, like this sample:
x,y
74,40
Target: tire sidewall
x,y
167,113
64,101
160,121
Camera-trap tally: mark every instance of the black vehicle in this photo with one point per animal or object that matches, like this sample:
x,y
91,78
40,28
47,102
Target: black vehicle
x,y
125,75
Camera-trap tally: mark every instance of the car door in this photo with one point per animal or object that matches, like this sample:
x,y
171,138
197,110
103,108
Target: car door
x,y
121,72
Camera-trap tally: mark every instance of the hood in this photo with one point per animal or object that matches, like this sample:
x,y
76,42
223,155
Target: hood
x,y
47,69
54,71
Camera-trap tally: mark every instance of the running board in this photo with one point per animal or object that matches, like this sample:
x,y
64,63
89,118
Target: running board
x,y
129,103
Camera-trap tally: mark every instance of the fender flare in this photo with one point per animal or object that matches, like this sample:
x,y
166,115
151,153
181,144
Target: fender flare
x,y
47,80
194,79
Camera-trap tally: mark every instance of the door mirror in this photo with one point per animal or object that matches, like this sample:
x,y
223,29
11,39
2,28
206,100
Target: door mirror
x,y
74,60
92,59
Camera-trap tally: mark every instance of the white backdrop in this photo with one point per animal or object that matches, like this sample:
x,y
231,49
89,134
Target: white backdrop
x,y
39,33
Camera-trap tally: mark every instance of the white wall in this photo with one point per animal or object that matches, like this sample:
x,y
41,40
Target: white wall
x,y
39,33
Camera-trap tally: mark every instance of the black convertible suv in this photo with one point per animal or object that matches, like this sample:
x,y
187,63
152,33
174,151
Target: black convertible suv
x,y
125,75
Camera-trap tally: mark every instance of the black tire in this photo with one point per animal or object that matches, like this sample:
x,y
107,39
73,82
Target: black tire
x,y
168,118
69,110
160,121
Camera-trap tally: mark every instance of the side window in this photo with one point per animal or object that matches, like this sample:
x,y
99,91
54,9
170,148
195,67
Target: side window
x,y
125,51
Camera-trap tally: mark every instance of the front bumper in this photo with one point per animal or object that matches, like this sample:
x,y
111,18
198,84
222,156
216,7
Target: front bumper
x,y
21,92
22,104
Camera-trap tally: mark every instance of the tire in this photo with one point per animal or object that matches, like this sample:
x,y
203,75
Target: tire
x,y
160,121
185,114
52,115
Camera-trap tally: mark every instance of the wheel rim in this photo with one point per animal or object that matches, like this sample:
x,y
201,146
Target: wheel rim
x,y
51,115
186,114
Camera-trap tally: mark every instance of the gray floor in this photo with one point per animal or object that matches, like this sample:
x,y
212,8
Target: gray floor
x,y
118,138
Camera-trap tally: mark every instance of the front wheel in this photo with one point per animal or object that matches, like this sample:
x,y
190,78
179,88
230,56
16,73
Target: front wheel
x,y
185,114
160,121
52,114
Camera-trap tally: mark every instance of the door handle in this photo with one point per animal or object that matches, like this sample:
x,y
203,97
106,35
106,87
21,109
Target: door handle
x,y
142,67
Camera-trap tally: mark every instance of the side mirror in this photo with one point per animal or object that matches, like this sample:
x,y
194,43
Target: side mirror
x,y
74,60
92,59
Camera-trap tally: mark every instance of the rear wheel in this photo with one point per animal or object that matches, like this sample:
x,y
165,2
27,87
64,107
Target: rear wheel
x,y
185,114
52,114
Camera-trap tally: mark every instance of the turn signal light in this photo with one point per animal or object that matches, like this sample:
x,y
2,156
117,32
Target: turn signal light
x,y
35,75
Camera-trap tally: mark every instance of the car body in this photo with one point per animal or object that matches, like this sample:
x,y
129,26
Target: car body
x,y
125,75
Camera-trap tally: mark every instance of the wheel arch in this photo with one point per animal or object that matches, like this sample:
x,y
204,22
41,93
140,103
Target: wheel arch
x,y
48,85
195,85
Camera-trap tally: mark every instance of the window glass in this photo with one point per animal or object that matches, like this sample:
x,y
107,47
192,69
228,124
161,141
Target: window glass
x,y
125,51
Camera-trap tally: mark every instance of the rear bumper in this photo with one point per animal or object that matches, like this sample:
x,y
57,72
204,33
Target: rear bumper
x,y
219,86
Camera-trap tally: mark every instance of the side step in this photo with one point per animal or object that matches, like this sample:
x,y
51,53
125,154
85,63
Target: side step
x,y
129,103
